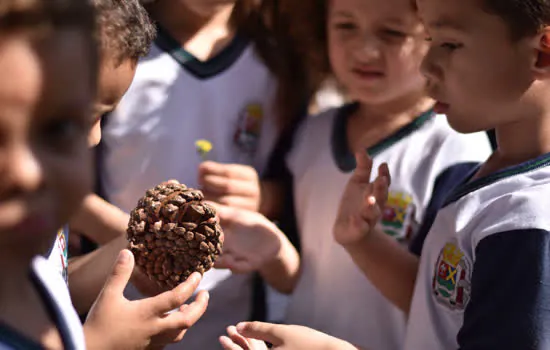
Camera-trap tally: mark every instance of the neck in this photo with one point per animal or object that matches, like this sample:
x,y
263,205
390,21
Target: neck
x,y
401,111
184,24
520,141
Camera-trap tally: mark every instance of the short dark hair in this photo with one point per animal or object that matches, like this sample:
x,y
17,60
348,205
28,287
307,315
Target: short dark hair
x,y
523,17
125,28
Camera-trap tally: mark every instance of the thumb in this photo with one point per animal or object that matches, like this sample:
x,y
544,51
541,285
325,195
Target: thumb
x,y
364,167
122,271
268,332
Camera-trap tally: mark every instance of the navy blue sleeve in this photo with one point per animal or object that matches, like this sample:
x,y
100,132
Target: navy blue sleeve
x,y
510,293
444,183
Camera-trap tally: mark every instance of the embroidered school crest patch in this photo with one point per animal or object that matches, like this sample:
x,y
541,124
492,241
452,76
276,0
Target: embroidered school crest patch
x,y
398,216
249,128
451,280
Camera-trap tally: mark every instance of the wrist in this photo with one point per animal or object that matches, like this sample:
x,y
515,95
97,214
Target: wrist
x,y
363,244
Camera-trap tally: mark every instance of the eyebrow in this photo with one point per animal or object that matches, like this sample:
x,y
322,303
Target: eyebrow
x,y
446,24
343,14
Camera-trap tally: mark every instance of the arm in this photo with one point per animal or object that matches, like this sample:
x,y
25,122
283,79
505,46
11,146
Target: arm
x,y
389,266
509,305
99,220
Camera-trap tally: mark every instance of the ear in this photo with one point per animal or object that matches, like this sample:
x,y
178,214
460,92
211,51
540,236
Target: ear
x,y
541,44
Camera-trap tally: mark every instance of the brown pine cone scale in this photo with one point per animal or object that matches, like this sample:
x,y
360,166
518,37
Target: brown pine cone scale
x,y
173,233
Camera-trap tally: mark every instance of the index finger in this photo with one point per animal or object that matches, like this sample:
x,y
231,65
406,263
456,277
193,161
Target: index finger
x,y
176,297
268,332
235,171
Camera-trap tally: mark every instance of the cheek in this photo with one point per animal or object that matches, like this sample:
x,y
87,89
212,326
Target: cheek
x,y
74,180
338,55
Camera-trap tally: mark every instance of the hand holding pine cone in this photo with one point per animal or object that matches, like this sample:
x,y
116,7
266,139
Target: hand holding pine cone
x,y
173,233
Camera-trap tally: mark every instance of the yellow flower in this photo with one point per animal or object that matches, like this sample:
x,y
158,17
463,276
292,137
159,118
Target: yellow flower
x,y
203,147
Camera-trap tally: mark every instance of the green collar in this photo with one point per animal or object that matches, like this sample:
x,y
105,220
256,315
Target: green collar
x,y
345,160
201,69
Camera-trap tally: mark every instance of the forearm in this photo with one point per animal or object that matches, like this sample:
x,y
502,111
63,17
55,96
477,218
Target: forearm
x,y
282,273
88,273
388,265
99,220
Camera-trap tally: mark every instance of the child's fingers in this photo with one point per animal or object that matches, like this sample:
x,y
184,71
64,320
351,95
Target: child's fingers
x,y
186,316
364,167
223,185
380,189
235,171
237,338
371,210
228,344
176,297
384,171
268,332
122,271
235,201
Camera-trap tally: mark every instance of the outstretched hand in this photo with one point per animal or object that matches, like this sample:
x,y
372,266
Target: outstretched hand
x,y
250,240
253,335
362,202
115,322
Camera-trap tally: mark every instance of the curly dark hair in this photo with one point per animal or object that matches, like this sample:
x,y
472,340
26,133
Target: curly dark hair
x,y
125,28
524,17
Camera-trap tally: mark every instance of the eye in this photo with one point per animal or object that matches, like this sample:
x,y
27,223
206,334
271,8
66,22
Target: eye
x,y
394,33
345,26
62,133
450,46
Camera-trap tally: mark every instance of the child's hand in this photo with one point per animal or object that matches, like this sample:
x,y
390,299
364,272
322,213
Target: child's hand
x,y
250,240
281,337
230,184
118,323
235,341
362,202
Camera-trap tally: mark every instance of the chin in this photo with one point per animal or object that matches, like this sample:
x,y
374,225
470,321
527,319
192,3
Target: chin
x,y
463,125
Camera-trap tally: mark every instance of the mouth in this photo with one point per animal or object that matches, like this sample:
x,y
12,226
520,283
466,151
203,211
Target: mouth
x,y
441,107
368,73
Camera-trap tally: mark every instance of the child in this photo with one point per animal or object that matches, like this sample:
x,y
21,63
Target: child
x,y
203,79
45,47
376,56
48,66
487,249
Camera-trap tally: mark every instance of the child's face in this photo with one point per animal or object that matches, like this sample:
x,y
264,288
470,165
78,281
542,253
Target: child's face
x,y
375,48
474,69
113,82
46,94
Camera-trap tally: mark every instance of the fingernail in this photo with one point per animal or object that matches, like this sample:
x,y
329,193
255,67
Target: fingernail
x,y
372,200
123,257
240,327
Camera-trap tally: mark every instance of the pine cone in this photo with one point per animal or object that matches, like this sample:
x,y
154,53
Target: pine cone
x,y
173,233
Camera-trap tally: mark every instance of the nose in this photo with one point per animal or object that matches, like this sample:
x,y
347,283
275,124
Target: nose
x,y
367,49
24,172
429,66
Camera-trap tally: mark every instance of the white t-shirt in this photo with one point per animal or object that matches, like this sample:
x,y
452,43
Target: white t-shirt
x,y
332,294
150,138
55,296
484,275
59,253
